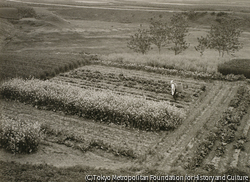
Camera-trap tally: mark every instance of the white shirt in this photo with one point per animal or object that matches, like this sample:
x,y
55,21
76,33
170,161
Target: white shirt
x,y
173,88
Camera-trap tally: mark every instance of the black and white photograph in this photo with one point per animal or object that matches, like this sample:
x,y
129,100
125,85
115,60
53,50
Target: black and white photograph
x,y
124,90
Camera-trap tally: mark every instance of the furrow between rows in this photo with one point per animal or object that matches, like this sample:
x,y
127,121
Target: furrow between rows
x,y
199,117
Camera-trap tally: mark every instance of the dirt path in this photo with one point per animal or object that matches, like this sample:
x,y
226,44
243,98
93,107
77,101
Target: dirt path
x,y
63,156
173,145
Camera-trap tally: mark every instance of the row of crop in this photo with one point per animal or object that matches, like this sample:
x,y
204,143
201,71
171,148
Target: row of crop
x,y
166,71
158,86
134,92
79,142
231,119
98,105
63,68
41,66
225,130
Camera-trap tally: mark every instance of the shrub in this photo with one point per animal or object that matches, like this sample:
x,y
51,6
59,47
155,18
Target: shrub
x,y
236,67
19,136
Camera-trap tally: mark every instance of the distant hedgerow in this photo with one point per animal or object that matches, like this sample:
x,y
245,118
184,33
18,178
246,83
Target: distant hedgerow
x,y
236,67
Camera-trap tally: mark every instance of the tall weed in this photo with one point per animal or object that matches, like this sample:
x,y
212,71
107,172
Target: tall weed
x,y
179,62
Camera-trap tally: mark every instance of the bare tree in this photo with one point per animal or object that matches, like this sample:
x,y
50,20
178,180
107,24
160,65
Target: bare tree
x,y
177,31
140,41
224,37
203,45
158,32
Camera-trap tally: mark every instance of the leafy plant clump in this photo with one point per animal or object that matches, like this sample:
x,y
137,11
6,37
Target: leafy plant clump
x,y
231,119
236,67
19,136
102,106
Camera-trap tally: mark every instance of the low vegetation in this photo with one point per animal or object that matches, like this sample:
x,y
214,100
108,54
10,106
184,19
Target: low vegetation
x,y
38,65
225,130
236,67
122,81
19,136
12,171
103,106
84,143
171,71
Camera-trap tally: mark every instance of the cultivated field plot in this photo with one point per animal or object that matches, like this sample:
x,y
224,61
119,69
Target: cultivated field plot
x,y
101,109
131,82
163,150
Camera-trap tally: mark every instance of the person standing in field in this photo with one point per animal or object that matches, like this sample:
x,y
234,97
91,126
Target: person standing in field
x,y
173,89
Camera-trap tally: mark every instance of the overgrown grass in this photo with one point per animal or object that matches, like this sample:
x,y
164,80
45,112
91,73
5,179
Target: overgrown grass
x,y
103,106
187,63
236,66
